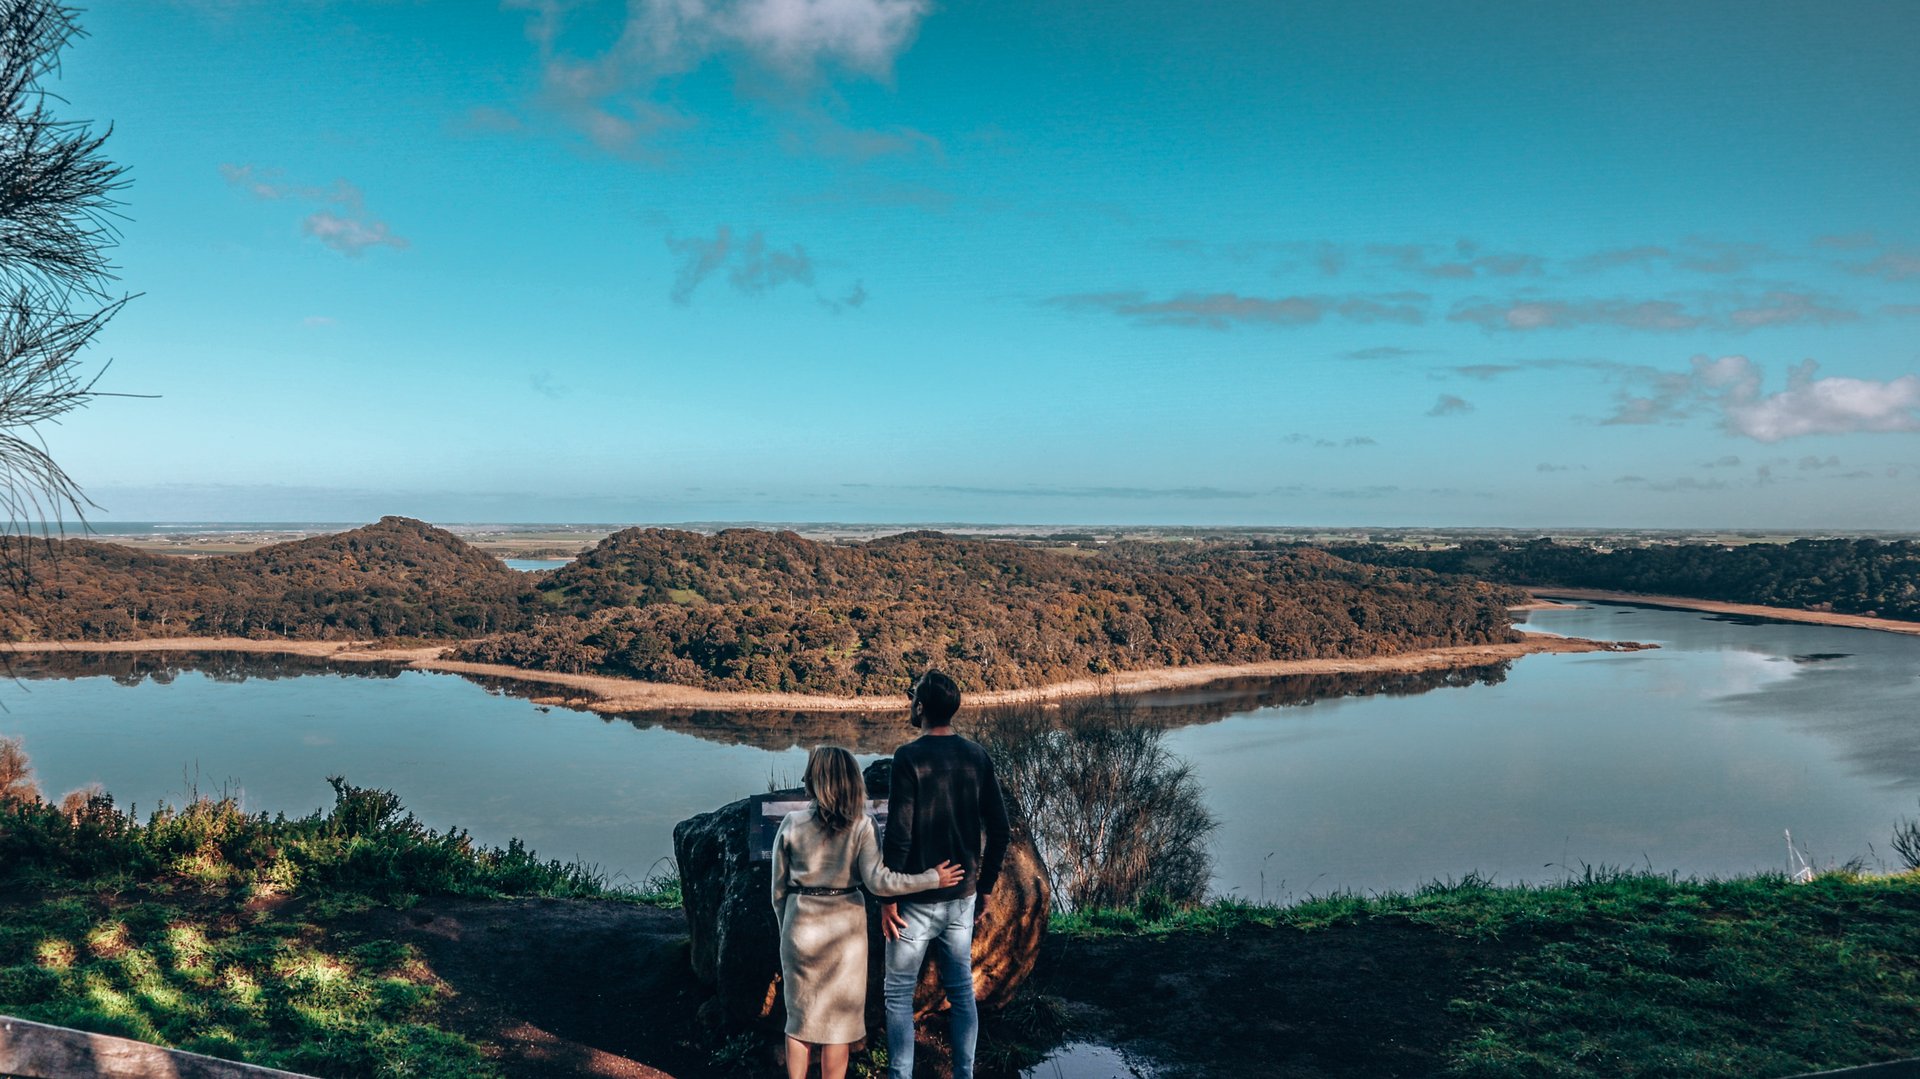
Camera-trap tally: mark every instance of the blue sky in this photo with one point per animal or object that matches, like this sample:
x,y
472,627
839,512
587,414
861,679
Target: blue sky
x,y
889,260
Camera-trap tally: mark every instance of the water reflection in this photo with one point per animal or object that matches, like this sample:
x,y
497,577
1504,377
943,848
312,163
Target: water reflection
x,y
1692,757
162,668
863,732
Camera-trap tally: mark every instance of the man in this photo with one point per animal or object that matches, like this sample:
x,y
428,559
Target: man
x,y
944,805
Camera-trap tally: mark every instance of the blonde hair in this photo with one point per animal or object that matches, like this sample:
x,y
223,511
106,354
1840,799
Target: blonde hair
x,y
833,782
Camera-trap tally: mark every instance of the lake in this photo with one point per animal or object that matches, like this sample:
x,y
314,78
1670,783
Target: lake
x,y
1696,757
534,565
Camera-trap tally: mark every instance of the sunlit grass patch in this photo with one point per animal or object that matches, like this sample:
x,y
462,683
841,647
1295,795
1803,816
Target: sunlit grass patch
x,y
156,931
55,953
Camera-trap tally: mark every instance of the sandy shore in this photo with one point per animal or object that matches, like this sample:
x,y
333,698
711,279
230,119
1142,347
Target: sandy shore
x,y
1538,604
1783,614
605,693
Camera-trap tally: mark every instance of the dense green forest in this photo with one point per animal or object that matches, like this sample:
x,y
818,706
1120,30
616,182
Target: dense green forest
x,y
1870,577
747,609
394,578
758,610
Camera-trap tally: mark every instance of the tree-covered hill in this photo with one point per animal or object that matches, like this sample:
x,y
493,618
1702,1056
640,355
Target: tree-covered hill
x,y
754,610
1865,576
394,578
757,610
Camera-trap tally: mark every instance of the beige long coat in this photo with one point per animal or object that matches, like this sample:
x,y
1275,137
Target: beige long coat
x,y
823,938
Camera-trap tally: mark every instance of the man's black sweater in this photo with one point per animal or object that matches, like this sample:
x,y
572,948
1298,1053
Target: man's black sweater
x,y
945,805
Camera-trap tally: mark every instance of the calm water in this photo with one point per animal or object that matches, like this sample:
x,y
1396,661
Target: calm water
x,y
1695,757
531,564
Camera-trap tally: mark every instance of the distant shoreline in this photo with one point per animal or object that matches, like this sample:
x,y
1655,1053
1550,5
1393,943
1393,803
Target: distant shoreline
x,y
1712,606
606,693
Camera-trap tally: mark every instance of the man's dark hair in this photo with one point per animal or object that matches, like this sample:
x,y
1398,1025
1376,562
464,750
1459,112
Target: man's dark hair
x,y
938,698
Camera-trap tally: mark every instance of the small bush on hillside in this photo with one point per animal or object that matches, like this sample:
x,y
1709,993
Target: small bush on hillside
x,y
1117,818
1906,842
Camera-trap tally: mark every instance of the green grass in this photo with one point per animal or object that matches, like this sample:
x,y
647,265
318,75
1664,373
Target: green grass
x,y
1635,974
220,932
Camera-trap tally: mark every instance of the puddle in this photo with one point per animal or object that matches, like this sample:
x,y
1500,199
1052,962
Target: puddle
x,y
1086,1060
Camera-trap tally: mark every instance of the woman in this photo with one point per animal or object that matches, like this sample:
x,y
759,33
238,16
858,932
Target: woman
x,y
821,857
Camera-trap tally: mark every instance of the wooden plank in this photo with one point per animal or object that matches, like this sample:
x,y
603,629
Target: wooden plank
x,y
1896,1069
38,1051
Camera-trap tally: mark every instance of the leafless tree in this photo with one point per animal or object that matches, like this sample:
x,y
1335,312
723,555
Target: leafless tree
x,y
57,201
1118,819
16,773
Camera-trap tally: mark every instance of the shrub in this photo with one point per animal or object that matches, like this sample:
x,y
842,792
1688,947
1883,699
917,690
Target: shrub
x,y
1118,819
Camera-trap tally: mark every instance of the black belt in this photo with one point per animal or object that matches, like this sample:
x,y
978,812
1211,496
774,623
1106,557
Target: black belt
x,y
803,890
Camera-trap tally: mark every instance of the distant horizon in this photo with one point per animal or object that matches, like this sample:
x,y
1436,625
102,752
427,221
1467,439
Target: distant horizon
x,y
75,530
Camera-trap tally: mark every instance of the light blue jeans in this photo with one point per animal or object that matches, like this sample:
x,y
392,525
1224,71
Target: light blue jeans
x,y
948,926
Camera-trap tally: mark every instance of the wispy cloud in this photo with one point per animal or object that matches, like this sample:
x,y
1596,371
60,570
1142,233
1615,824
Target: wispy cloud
x,y
1223,310
753,266
1449,405
345,226
1696,254
1485,372
1381,352
1677,484
350,235
1463,261
1525,315
1893,264
1781,308
1350,442
1729,311
786,52
1852,241
1196,493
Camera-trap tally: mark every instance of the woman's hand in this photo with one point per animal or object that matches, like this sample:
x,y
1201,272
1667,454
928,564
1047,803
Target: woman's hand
x,y
950,874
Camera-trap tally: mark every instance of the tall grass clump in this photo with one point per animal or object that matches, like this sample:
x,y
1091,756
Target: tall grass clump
x,y
1118,819
367,844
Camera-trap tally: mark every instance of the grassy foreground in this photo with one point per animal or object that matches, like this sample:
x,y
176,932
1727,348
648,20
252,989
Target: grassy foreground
x,y
1616,974
277,941
242,936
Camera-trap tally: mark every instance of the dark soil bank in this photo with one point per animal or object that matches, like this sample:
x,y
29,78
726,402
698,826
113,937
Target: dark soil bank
x,y
1270,1001
564,987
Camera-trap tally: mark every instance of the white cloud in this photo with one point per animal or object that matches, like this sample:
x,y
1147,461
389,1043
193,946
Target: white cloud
x,y
348,235
1809,405
801,35
785,49
347,228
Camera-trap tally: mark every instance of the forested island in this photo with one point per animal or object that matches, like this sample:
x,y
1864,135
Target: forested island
x,y
1868,577
394,578
754,610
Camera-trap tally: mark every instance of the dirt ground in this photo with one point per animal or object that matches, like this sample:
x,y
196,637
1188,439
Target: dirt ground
x,y
594,988
564,987
1270,1002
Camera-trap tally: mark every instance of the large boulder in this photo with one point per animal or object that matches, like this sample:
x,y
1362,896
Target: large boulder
x,y
736,939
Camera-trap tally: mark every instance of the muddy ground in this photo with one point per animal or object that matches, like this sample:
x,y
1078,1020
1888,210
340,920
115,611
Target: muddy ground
x,y
584,988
